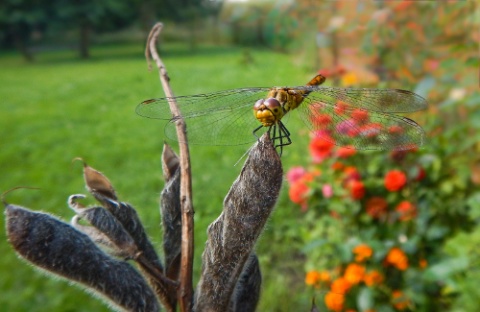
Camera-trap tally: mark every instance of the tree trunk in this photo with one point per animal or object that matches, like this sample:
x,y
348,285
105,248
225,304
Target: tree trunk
x,y
85,30
19,40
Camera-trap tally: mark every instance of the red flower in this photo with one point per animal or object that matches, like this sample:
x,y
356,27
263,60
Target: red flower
x,y
357,189
346,151
400,153
298,193
360,116
321,148
340,107
403,5
376,207
371,130
321,121
325,72
395,180
406,210
351,173
421,174
337,166
395,129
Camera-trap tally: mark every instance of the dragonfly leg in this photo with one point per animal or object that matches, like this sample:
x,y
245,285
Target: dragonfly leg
x,y
284,134
256,130
281,136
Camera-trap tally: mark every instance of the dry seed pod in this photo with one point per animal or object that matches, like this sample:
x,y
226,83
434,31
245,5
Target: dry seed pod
x,y
106,223
171,213
60,249
247,291
232,236
98,238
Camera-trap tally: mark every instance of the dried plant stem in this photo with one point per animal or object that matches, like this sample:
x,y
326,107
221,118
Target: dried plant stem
x,y
185,292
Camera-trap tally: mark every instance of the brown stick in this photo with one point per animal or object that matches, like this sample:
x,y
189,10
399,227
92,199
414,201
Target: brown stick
x,y
185,290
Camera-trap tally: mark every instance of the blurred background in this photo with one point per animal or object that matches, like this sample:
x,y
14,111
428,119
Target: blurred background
x,y
73,72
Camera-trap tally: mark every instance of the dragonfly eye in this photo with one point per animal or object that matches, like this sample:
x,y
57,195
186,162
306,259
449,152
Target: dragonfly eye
x,y
272,104
258,104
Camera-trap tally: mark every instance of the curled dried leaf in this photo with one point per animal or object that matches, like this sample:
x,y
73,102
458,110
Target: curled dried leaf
x,y
97,183
170,162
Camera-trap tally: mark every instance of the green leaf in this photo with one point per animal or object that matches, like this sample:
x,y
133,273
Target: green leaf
x,y
445,269
424,86
365,299
474,202
437,232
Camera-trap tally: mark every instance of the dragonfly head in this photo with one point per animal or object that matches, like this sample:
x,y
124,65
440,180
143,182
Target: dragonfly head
x,y
268,111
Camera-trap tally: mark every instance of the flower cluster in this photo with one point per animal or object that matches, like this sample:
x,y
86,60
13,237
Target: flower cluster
x,y
368,193
363,272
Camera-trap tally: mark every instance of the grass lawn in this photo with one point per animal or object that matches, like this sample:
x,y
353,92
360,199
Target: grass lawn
x,y
61,107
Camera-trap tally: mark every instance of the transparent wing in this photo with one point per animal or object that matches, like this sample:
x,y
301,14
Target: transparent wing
x,y
220,118
201,104
374,100
358,117
363,117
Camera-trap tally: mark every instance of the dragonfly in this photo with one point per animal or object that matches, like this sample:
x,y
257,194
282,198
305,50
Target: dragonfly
x,y
360,118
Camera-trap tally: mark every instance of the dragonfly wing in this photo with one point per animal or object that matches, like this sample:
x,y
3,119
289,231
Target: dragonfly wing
x,y
373,100
200,104
359,127
220,118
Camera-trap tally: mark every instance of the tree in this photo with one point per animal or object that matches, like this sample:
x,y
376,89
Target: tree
x,y
92,15
19,19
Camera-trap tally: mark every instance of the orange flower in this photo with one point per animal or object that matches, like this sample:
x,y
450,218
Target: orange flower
x,y
373,278
422,263
376,207
324,276
395,180
354,273
357,189
349,79
397,258
334,301
346,151
406,210
340,286
399,300
312,278
362,252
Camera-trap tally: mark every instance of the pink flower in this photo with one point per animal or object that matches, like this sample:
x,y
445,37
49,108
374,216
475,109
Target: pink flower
x,y
295,173
327,190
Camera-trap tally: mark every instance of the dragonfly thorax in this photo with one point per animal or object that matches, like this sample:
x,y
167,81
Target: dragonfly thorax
x,y
268,111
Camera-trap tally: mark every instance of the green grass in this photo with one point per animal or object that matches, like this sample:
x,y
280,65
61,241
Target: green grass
x,y
61,107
